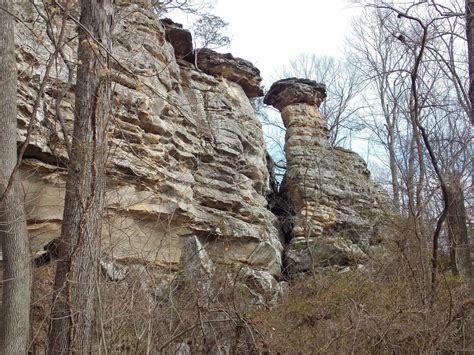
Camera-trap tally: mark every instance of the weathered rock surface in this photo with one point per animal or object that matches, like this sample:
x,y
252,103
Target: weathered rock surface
x,y
238,70
336,206
186,157
292,90
195,266
180,39
197,274
264,289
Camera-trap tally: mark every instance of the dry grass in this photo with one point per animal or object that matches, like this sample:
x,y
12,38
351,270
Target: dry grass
x,y
361,312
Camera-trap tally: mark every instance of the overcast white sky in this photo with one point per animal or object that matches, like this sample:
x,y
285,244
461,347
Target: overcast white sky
x,y
271,32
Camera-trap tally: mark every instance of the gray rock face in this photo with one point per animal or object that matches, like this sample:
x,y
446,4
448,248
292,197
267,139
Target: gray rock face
x,y
337,207
234,69
264,289
186,154
195,266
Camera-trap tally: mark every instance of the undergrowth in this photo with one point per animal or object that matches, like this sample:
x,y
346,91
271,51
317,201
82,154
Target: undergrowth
x,y
386,307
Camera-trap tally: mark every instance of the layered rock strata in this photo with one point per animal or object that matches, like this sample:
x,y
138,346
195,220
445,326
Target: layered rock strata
x,y
227,66
187,159
336,206
186,154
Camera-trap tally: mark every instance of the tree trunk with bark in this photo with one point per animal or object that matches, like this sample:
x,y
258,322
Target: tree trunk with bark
x,y
79,246
457,231
393,169
15,311
470,51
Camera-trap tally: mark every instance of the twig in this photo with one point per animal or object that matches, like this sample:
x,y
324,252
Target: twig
x,y
169,341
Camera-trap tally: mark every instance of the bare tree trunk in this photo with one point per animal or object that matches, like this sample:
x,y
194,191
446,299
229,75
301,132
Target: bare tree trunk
x,y
391,121
14,316
418,190
76,275
470,50
411,177
457,230
393,169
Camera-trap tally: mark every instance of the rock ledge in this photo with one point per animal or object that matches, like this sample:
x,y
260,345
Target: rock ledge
x,y
238,70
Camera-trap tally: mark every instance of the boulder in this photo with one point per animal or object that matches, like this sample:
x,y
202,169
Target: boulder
x,y
195,267
264,289
324,252
295,91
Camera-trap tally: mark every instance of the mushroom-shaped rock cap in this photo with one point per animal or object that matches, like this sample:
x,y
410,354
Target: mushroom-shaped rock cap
x,y
234,69
180,39
294,91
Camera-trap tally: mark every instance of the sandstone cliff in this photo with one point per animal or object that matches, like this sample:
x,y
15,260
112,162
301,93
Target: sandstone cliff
x,y
187,158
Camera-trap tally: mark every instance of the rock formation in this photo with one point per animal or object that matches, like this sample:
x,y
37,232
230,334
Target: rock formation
x,y
336,207
180,39
187,161
187,153
234,69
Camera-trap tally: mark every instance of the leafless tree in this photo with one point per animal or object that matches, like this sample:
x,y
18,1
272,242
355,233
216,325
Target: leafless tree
x,y
377,57
196,7
14,325
427,38
470,46
208,32
274,132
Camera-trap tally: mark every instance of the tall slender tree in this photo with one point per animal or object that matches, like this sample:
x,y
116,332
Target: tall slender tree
x,y
434,106
470,50
76,275
14,316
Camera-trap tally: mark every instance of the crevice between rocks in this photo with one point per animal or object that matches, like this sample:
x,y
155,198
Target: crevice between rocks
x,y
280,205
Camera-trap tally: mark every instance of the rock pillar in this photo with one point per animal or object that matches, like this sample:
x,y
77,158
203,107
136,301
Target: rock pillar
x,y
335,204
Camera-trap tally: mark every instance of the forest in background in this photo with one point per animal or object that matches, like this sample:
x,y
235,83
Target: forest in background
x,y
406,85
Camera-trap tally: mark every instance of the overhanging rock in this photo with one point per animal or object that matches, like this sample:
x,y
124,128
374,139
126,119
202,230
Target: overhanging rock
x,y
180,38
238,70
294,91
